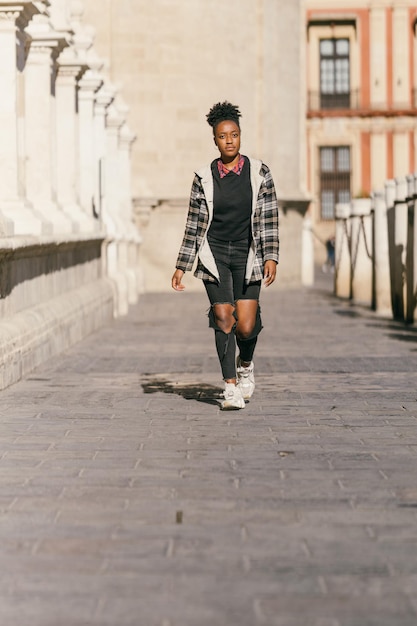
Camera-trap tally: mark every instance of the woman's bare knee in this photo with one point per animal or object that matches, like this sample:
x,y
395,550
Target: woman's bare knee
x,y
246,317
245,329
223,315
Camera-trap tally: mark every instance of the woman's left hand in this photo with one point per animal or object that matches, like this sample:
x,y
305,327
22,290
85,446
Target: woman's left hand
x,y
270,272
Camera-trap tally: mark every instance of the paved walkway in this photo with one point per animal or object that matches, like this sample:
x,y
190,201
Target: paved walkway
x,y
128,499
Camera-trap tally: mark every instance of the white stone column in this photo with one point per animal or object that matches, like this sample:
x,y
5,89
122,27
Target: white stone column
x,y
382,302
40,141
396,192
126,139
16,214
88,86
59,13
390,204
414,62
361,250
401,231
115,225
67,140
114,122
307,253
415,248
342,277
411,262
103,99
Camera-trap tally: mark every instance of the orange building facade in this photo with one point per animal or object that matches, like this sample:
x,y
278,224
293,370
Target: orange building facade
x,y
361,100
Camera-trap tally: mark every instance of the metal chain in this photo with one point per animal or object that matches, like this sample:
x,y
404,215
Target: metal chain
x,y
354,256
352,247
349,242
370,255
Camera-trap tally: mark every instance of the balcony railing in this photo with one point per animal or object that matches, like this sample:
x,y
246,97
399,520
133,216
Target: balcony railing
x,y
352,101
324,101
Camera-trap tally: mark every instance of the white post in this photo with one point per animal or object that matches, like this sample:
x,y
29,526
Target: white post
x,y
126,139
114,122
411,293
399,250
381,259
40,143
88,86
342,276
103,99
307,252
116,248
390,204
361,239
67,140
9,158
16,215
415,246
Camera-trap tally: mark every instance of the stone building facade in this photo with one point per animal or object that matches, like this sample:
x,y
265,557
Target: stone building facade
x,y
362,104
175,58
68,245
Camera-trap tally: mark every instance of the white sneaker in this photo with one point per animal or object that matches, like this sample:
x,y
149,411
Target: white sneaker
x,y
245,379
232,398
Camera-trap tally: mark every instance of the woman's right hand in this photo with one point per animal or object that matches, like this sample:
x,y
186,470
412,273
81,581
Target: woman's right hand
x,y
176,280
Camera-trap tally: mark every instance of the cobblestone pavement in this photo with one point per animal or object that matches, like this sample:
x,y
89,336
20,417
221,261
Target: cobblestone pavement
x,y
127,498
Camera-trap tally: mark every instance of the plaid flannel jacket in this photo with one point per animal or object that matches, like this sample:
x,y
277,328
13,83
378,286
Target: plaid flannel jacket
x,y
265,231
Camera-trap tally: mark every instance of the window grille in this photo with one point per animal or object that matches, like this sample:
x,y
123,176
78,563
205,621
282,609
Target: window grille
x,y
335,175
334,73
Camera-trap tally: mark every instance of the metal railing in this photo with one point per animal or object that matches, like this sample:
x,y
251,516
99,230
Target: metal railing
x,y
323,101
351,101
376,249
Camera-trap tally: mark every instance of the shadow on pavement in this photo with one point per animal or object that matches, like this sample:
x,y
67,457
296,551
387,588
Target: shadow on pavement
x,y
400,331
202,392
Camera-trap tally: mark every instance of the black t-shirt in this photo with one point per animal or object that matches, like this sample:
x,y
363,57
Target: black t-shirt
x,y
232,204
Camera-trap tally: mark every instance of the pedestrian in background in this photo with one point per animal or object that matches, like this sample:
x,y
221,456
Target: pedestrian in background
x,y
232,229
328,265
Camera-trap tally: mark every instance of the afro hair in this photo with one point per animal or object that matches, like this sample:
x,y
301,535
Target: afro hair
x,y
221,112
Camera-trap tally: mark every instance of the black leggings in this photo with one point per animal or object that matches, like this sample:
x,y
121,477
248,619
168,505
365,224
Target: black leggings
x,y
231,258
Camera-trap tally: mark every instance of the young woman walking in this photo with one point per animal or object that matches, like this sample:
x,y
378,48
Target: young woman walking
x,y
232,228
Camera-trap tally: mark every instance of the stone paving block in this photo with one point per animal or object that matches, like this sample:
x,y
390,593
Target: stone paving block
x,y
16,610
128,497
365,610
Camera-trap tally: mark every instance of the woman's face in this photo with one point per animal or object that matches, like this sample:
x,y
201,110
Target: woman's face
x,y
227,139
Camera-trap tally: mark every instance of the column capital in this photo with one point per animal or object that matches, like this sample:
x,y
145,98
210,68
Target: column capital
x,y
89,84
114,120
68,65
122,107
59,16
126,137
94,62
43,5
18,12
104,97
45,38
83,34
